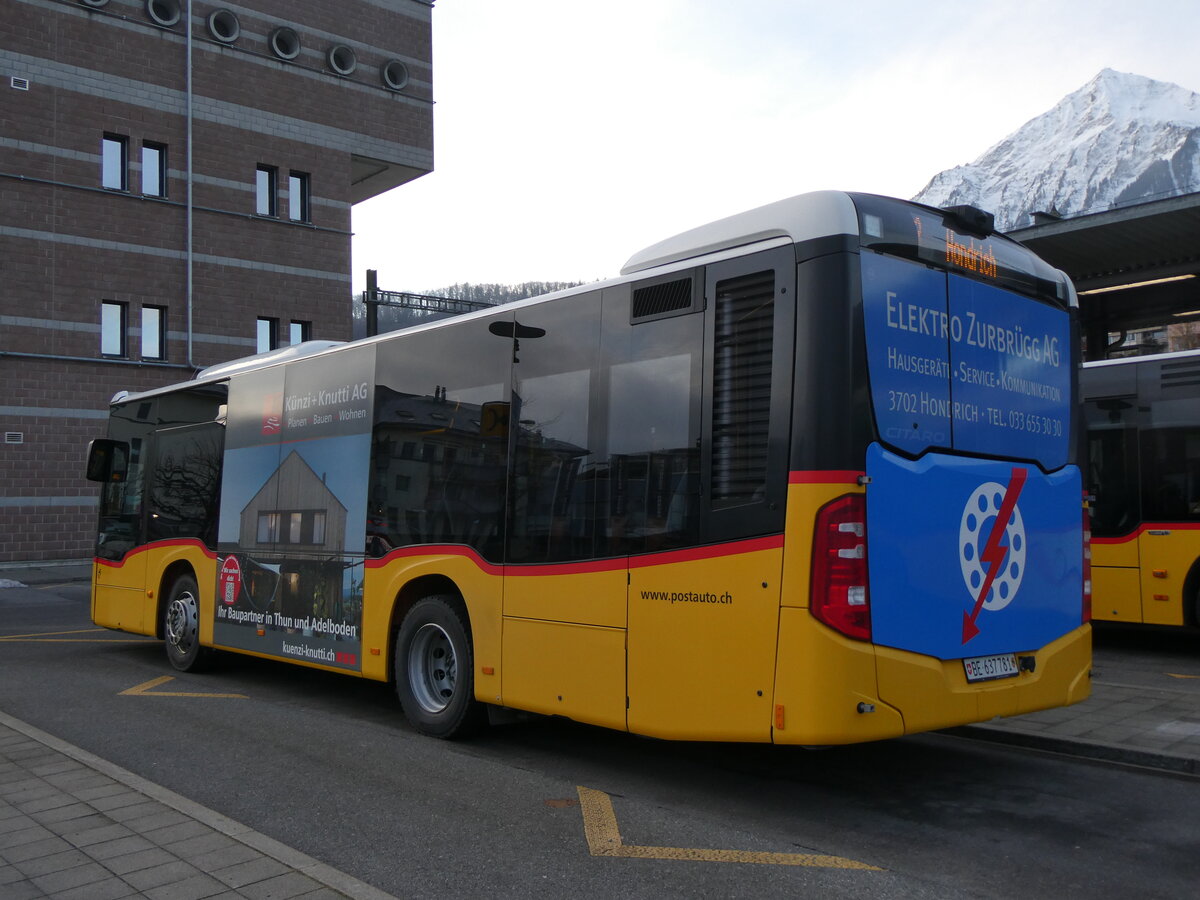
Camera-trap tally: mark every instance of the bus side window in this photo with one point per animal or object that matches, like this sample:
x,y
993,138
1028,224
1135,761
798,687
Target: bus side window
x,y
1170,492
184,487
552,488
1112,466
121,509
648,495
439,443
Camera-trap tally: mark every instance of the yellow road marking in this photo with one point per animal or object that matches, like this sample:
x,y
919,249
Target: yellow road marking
x,y
146,689
604,839
1173,675
55,637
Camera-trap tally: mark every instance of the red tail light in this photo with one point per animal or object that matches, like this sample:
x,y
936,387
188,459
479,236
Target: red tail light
x,y
840,595
1087,562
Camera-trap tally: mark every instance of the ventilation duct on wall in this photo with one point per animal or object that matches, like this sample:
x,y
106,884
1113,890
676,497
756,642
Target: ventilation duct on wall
x,y
164,12
285,43
341,59
395,74
224,26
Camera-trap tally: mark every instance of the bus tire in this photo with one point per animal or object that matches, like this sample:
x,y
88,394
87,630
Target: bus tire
x,y
435,670
181,626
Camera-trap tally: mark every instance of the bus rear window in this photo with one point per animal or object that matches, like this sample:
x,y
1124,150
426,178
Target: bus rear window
x,y
963,365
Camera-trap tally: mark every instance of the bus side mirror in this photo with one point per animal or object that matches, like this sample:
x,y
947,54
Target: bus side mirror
x,y
107,460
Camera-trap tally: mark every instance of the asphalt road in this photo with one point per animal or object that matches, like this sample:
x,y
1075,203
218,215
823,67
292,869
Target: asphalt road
x,y
327,764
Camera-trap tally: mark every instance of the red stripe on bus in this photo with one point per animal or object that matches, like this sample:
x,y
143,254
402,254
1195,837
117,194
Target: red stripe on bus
x,y
1148,526
715,551
437,550
825,476
172,542
612,564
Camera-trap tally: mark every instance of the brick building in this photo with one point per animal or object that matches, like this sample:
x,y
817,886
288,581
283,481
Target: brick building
x,y
176,180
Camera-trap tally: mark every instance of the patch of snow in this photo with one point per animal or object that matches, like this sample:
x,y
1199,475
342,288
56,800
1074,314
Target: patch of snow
x,y
1118,140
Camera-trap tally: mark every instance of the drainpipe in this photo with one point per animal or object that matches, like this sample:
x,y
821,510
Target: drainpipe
x,y
190,361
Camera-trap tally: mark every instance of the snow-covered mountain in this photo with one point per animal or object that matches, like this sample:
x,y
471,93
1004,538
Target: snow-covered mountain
x,y
1117,140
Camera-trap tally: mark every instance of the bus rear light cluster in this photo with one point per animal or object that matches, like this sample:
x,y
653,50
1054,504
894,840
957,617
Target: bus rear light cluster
x,y
840,593
1087,564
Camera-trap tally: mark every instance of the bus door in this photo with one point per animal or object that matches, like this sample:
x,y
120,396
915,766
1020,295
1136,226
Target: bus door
x,y
1112,467
703,621
564,611
1169,448
119,593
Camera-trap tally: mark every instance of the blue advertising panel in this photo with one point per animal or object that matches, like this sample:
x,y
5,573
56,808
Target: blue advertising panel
x,y
908,350
970,557
1012,374
959,364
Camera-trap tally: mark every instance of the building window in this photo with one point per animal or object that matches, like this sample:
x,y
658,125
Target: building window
x,y
268,528
298,205
299,332
268,334
154,332
113,322
154,169
114,162
266,188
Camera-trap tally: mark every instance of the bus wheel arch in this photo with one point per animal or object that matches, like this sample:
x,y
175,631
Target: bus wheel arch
x,y
434,668
179,620
173,572
410,593
1191,596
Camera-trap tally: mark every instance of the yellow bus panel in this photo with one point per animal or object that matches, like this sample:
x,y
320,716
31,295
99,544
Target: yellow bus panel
x,y
573,592
702,638
821,678
1167,555
119,594
932,693
560,669
1116,594
1122,553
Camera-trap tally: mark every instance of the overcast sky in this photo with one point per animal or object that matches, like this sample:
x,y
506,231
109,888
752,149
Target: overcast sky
x,y
569,135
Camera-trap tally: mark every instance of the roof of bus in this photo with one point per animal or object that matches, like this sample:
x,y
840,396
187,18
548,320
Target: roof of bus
x,y
802,217
798,218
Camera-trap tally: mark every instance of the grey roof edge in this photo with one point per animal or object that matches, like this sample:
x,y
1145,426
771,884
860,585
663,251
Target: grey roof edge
x,y
799,218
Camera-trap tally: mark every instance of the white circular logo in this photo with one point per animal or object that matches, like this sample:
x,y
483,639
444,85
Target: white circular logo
x,y
979,519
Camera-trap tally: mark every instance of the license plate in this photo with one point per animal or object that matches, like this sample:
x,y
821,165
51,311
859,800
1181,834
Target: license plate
x,y
986,668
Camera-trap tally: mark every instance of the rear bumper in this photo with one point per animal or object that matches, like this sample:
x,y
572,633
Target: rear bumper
x,y
833,690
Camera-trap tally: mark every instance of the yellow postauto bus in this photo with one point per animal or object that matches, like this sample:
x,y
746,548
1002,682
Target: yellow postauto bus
x,y
1143,435
802,475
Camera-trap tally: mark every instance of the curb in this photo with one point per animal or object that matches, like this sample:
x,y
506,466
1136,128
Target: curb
x,y
319,872
1180,765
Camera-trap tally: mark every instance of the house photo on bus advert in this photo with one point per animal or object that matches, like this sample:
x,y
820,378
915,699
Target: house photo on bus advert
x,y
293,506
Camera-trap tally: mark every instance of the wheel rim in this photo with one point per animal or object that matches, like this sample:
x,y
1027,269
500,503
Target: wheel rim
x,y
182,622
432,668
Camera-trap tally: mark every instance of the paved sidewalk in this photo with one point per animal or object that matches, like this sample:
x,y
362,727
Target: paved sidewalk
x,y
40,573
1154,727
76,827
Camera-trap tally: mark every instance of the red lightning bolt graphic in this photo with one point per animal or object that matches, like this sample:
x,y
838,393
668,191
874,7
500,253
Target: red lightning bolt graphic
x,y
994,552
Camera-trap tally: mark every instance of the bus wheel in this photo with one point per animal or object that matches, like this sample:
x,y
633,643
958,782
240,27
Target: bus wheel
x,y
181,625
435,675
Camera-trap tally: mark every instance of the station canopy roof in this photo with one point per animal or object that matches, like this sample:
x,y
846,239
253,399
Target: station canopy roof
x,y
1134,267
